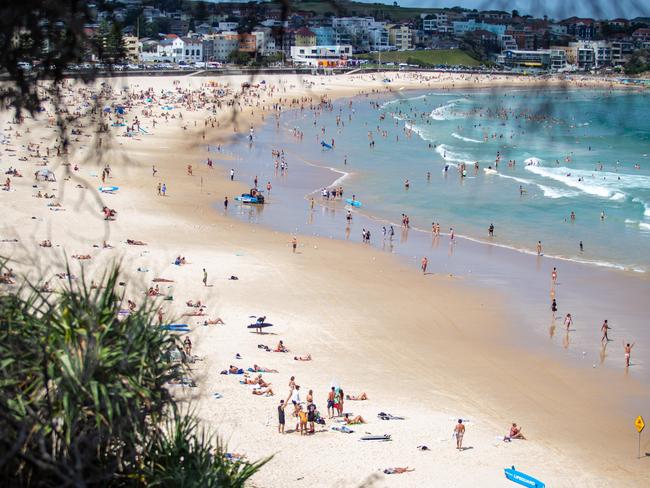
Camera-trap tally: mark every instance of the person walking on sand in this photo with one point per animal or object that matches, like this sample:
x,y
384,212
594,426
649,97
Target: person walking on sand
x,y
205,277
604,328
554,307
163,189
294,243
232,174
424,265
568,321
554,275
459,432
539,248
159,188
225,203
628,350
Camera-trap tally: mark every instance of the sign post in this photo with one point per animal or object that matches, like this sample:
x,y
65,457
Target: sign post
x,y
640,425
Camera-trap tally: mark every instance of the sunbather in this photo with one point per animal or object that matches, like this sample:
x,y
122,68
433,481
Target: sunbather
x,y
302,358
82,256
198,304
134,242
515,433
398,470
280,347
362,396
266,392
259,369
352,421
214,321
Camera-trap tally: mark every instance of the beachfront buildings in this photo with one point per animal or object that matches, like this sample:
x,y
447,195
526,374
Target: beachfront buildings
x,y
400,36
131,48
321,56
461,27
539,60
260,29
437,22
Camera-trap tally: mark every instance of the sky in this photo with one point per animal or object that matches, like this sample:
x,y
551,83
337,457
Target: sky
x,y
552,8
557,9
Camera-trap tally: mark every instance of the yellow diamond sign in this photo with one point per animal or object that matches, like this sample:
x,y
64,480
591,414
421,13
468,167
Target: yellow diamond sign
x,y
639,424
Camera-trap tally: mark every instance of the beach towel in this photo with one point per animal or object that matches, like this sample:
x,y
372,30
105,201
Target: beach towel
x,y
343,429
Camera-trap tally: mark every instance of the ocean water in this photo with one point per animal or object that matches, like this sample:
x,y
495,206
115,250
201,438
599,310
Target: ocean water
x,y
566,134
586,152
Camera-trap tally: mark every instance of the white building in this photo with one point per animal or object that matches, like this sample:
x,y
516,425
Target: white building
x,y
179,50
435,22
265,43
364,33
321,56
592,54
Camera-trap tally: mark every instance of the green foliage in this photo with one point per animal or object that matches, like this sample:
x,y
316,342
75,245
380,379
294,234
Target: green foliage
x,y
239,58
48,35
84,399
638,63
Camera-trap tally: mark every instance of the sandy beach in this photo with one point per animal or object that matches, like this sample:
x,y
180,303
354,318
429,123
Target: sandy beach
x,y
430,350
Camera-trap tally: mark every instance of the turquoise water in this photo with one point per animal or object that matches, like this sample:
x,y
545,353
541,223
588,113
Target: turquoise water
x,y
573,151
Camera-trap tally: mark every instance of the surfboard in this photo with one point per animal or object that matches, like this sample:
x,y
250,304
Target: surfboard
x,y
260,326
522,478
105,189
384,437
354,203
176,328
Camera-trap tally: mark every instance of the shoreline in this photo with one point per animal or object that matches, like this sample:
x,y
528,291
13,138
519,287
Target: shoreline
x,y
484,263
369,321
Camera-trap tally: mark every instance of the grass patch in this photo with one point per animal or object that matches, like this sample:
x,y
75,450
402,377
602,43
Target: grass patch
x,y
431,57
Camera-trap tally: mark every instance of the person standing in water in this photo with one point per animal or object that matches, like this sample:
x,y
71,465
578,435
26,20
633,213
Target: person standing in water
x,y
568,321
539,248
604,329
425,263
628,350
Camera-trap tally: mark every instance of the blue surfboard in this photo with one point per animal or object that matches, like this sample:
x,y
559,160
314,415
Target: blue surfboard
x,y
522,478
354,203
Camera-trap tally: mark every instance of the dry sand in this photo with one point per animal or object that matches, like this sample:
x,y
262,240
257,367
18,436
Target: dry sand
x,y
430,349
